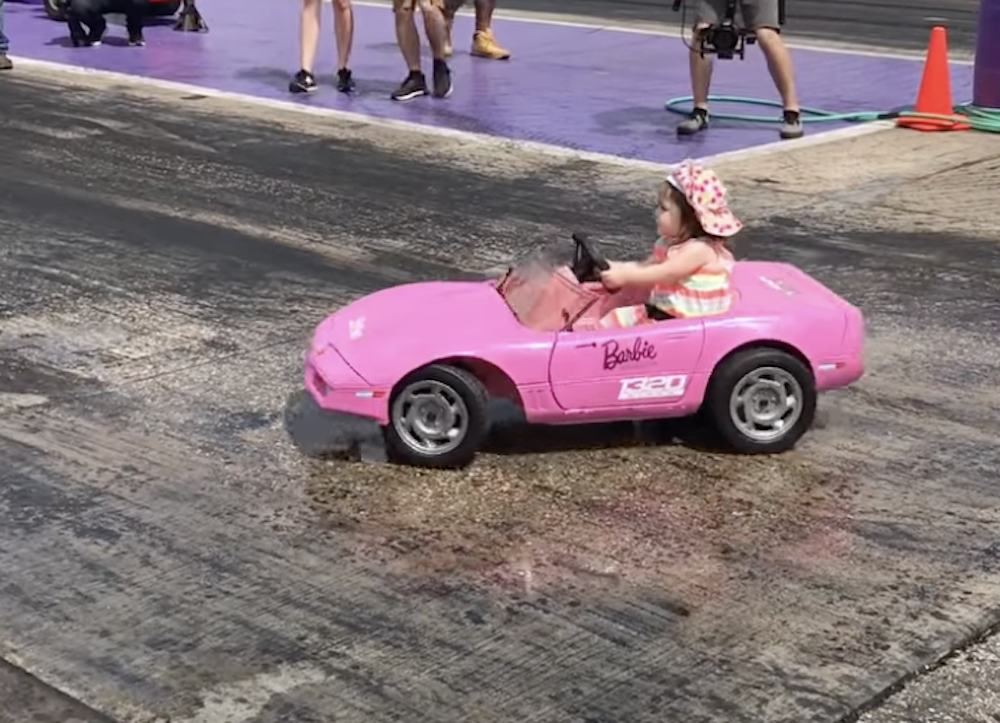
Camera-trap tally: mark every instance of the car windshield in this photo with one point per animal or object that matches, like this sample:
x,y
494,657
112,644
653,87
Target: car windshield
x,y
543,293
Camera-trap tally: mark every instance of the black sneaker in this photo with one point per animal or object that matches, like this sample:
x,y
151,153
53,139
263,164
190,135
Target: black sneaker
x,y
791,125
442,79
345,83
695,123
303,82
136,40
413,87
85,41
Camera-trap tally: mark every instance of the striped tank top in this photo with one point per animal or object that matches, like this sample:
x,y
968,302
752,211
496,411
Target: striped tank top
x,y
705,293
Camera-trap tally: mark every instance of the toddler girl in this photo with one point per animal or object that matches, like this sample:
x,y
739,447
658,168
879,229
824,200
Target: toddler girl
x,y
687,274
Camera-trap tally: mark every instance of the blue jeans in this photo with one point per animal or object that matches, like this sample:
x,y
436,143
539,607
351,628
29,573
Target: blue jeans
x,y
4,43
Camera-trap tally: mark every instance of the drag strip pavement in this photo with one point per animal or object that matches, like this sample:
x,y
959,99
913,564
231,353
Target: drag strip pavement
x,y
168,551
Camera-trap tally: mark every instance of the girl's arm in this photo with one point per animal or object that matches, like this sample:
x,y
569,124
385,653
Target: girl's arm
x,y
682,264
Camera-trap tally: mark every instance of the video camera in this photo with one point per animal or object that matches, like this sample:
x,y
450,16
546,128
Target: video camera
x,y
725,39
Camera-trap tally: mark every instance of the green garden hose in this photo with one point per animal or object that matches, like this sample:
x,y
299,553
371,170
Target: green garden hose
x,y
980,119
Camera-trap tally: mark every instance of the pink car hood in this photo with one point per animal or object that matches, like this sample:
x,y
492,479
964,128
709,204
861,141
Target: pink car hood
x,y
386,334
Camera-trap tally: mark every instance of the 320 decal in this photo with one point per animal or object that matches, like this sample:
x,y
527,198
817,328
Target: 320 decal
x,y
666,387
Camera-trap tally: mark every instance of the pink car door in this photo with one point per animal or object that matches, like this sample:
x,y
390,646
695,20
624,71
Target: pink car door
x,y
644,365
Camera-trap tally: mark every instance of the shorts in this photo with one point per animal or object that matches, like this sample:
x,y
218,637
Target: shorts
x,y
409,4
750,14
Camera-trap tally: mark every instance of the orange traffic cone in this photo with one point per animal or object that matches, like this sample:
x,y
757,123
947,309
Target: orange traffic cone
x,y
935,90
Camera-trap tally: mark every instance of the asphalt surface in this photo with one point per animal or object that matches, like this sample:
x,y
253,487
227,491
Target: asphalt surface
x,y
169,552
898,24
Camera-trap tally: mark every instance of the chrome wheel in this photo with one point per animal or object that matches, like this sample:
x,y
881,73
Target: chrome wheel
x,y
766,403
430,417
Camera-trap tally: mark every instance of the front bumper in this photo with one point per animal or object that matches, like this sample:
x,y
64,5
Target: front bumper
x,y
336,387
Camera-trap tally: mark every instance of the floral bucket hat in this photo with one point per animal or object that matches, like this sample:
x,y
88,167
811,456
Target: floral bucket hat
x,y
704,191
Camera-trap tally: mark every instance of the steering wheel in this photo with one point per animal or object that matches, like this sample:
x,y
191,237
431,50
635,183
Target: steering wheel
x,y
587,266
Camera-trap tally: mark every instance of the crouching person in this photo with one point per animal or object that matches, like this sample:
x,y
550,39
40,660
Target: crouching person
x,y
87,24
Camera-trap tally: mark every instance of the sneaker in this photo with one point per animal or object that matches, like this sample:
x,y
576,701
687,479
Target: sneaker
x,y
303,82
413,87
345,83
442,79
5,63
85,42
695,123
484,45
136,40
791,125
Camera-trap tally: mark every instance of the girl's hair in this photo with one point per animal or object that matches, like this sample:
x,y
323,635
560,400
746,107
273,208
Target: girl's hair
x,y
690,224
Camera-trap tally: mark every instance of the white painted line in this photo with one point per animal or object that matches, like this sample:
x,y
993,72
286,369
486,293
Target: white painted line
x,y
499,143
530,17
816,139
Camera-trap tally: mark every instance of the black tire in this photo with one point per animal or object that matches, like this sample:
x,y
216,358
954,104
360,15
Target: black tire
x,y
450,381
56,10
781,373
164,10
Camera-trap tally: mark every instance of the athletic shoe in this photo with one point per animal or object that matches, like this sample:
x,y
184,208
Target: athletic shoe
x,y
5,63
303,82
345,83
442,79
695,123
414,86
791,125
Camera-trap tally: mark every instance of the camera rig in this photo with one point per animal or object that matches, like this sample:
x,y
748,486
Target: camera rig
x,y
725,39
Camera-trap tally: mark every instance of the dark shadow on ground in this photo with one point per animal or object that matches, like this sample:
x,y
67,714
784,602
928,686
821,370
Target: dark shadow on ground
x,y
319,433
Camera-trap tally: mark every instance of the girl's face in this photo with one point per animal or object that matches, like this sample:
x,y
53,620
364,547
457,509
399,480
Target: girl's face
x,y
669,219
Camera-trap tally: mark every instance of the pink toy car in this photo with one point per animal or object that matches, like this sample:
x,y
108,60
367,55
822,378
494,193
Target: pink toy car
x,y
424,359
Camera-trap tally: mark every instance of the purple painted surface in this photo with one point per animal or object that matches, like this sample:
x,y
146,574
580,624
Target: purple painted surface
x,y
583,88
986,83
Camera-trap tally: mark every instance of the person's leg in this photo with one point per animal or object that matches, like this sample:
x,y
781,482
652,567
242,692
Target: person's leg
x,y
621,317
343,21
451,8
309,27
484,45
415,84
434,27
5,63
763,17
86,22
708,12
135,16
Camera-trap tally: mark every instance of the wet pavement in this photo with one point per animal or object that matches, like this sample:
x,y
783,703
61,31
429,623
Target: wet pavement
x,y
604,90
169,551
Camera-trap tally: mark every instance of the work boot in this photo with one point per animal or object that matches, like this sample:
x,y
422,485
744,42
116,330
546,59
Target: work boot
x,y
484,45
695,123
791,125
5,63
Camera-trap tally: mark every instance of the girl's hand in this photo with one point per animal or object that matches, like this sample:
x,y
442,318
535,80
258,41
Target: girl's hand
x,y
617,274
